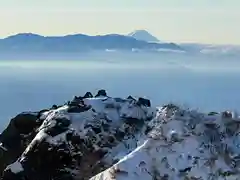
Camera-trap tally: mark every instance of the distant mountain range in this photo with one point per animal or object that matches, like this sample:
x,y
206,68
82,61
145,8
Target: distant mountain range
x,y
28,42
211,49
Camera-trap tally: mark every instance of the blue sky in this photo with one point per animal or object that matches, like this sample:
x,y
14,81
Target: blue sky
x,y
205,21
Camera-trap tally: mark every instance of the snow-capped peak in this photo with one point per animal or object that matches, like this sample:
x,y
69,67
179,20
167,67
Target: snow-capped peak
x,y
143,35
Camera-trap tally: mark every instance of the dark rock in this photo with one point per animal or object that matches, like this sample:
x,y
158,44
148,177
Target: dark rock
x,y
45,161
171,106
76,140
99,154
16,137
147,130
8,175
101,92
76,101
119,134
69,136
133,121
212,113
131,98
78,109
41,112
21,124
88,95
60,127
111,139
227,114
185,170
54,106
144,102
97,130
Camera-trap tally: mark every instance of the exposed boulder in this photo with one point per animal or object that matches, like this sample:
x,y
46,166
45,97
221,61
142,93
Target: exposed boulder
x,y
101,92
144,102
131,98
88,95
15,138
76,101
20,126
54,106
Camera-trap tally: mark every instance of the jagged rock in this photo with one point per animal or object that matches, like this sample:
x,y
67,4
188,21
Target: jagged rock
x,y
22,124
144,102
15,138
76,101
54,106
75,141
131,98
88,95
227,114
101,92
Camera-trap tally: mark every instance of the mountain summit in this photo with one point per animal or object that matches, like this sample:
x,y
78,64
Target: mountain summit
x,y
143,35
110,138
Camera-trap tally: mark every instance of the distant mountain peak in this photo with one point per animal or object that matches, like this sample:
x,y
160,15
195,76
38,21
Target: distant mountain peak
x,y
143,35
24,35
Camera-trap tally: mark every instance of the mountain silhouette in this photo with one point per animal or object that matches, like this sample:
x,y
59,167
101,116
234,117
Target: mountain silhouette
x,y
28,42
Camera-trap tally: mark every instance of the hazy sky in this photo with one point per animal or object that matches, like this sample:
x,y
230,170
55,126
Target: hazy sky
x,y
206,21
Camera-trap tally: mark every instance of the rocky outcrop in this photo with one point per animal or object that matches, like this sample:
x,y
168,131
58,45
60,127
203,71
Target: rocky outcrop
x,y
73,141
105,138
15,138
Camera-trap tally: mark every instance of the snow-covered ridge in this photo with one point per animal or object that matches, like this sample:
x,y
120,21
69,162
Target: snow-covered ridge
x,y
105,138
183,144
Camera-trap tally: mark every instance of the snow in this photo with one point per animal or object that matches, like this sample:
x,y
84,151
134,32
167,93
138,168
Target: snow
x,y
15,167
179,152
143,35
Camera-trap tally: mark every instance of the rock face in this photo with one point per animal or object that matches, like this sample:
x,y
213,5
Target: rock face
x,y
105,138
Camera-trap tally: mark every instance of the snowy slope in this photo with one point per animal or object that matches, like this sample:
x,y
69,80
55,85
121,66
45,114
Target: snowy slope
x,y
143,35
183,145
